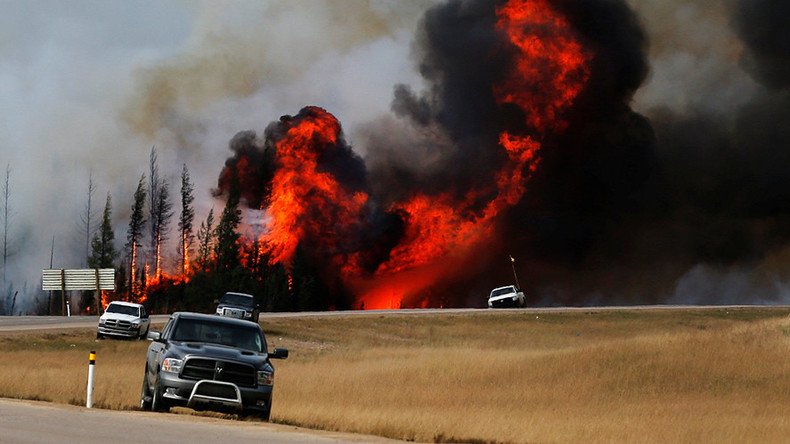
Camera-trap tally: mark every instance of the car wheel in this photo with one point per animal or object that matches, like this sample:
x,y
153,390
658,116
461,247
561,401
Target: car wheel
x,y
99,335
266,414
158,403
145,393
262,415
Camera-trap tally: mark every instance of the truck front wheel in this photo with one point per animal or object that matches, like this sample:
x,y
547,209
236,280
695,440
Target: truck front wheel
x,y
145,393
158,402
262,415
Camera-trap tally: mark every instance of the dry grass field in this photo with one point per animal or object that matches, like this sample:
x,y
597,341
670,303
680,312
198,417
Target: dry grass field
x,y
711,375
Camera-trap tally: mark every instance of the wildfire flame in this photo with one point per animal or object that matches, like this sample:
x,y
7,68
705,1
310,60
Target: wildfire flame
x,y
305,201
549,72
551,65
309,205
105,300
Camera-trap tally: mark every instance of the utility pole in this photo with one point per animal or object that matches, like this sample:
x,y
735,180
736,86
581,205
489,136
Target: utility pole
x,y
515,276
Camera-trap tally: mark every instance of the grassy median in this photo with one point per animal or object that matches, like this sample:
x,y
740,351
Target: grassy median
x,y
630,375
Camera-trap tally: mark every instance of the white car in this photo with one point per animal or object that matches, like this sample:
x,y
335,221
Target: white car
x,y
124,319
507,296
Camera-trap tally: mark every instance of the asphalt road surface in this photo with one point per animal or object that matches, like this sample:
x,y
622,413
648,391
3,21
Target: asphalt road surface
x,y
40,422
21,323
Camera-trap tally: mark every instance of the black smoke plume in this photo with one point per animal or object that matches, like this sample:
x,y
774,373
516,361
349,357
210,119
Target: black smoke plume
x,y
590,174
623,208
762,25
254,164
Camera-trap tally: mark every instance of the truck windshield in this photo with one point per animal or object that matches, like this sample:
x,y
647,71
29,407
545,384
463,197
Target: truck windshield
x,y
501,291
123,309
197,330
236,299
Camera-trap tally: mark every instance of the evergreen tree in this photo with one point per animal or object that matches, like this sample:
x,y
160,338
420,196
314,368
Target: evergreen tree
x,y
120,279
205,241
160,210
163,211
134,234
88,216
6,215
309,292
103,252
185,220
276,295
227,248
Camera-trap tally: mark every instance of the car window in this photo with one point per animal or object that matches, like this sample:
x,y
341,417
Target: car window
x,y
502,291
236,299
122,309
198,330
168,327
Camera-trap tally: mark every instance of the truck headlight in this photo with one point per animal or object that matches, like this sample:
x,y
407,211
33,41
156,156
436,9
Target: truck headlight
x,y
265,378
219,311
247,314
172,365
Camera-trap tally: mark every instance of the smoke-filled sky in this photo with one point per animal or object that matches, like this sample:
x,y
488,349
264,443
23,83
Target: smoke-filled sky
x,y
670,182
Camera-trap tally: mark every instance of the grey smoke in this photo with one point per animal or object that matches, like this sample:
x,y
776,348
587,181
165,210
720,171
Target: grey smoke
x,y
695,179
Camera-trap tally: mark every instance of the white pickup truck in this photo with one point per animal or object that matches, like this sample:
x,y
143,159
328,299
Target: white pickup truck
x,y
507,296
123,319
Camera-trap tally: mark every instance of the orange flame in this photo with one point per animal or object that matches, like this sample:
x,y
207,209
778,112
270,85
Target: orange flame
x,y
105,300
298,188
186,269
443,231
551,66
550,71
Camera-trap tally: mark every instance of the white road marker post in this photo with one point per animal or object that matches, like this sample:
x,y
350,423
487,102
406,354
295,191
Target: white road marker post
x,y
91,366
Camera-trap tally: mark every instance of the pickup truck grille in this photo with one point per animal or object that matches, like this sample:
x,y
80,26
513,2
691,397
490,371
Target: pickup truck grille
x,y
234,313
201,368
215,390
112,323
117,325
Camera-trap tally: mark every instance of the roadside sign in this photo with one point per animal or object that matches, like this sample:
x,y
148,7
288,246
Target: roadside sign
x,y
96,279
86,279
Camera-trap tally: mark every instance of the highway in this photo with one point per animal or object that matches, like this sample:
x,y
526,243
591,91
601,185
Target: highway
x,y
41,422
22,323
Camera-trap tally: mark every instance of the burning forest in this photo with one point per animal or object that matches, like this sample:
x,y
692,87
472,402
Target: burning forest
x,y
532,149
314,193
561,133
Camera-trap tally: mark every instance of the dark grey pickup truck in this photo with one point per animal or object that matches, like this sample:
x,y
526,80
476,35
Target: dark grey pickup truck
x,y
208,362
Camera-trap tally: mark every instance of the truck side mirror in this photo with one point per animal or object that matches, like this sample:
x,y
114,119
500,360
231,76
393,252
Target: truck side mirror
x,y
154,335
279,353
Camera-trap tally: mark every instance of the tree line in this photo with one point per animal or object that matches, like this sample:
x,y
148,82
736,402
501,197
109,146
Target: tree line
x,y
208,261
